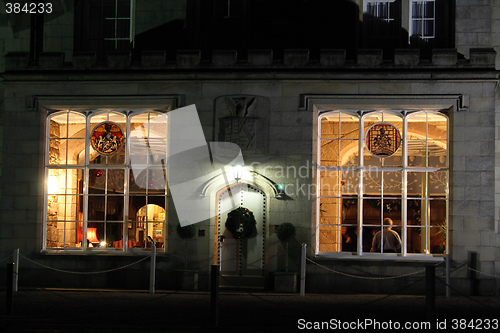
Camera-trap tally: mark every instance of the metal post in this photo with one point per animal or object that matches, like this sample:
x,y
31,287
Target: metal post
x,y
474,287
214,294
152,270
430,290
15,272
303,270
9,293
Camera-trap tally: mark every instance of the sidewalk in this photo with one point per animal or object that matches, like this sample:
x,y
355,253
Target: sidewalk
x,y
57,310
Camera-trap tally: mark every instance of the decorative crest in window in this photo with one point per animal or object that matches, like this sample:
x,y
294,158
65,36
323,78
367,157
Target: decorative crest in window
x,y
383,139
107,138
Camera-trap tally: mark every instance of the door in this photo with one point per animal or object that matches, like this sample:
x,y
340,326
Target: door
x,y
241,257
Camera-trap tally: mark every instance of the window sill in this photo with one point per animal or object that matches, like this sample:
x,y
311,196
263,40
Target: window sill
x,y
130,253
394,257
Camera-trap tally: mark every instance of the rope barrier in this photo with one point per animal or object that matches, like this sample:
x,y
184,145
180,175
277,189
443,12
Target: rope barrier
x,y
83,273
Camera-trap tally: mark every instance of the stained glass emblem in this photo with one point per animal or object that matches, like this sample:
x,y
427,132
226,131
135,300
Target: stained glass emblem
x,y
107,138
383,139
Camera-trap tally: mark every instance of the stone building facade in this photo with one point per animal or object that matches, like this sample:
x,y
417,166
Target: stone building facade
x,y
395,119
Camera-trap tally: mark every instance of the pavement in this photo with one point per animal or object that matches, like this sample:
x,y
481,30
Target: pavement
x,y
64,310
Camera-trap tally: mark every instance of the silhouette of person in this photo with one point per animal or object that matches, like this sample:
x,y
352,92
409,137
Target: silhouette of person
x,y
387,238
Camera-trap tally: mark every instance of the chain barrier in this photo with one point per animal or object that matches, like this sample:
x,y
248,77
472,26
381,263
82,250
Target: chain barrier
x,y
83,273
365,277
475,270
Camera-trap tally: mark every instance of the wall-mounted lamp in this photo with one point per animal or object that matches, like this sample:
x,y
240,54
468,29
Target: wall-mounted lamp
x,y
237,172
280,188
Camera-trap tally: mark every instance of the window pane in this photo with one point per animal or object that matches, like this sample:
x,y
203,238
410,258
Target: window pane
x,y
368,233
329,153
414,183
109,28
330,184
116,179
136,208
349,152
437,154
330,127
350,183
114,208
417,9
438,181
137,186
349,126
329,210
329,238
123,28
56,207
157,181
428,9
123,9
157,152
158,125
437,125
417,152
428,28
372,212
416,28
114,234
96,208
392,184
372,182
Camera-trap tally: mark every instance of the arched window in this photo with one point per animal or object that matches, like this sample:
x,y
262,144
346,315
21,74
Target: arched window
x,y
101,168
381,170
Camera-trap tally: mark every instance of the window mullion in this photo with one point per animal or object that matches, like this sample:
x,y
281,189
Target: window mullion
x,y
360,185
404,189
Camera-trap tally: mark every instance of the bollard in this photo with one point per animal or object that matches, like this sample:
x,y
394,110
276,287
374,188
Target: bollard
x,y
303,270
430,290
15,272
214,295
474,283
9,292
448,278
152,270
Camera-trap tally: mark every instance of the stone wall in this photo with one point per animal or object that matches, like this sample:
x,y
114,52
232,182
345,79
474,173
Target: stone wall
x,y
289,157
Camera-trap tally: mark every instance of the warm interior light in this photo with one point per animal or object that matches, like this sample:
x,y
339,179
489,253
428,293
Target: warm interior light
x,y
237,172
53,185
92,235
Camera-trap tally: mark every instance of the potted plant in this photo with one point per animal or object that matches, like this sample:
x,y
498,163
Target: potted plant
x,y
285,281
188,279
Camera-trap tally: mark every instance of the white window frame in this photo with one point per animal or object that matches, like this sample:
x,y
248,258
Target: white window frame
x,y
423,19
379,2
117,18
126,104
319,103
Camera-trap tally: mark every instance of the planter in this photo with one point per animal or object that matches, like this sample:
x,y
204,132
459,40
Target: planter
x,y
285,282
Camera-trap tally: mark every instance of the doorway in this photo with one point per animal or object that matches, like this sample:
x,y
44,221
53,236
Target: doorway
x,y
242,261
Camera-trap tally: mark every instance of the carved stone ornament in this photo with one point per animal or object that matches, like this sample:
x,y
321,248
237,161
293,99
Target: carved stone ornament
x,y
242,119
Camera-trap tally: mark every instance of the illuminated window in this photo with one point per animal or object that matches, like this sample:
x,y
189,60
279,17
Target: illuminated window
x,y
105,180
379,165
